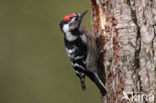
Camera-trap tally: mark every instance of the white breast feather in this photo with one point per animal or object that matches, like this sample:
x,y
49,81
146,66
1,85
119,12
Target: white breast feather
x,y
68,34
70,51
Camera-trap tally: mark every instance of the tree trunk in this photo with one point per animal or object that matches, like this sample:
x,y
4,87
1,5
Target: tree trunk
x,y
127,64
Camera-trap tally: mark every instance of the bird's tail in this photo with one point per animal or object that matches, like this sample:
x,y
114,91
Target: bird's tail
x,y
82,80
94,77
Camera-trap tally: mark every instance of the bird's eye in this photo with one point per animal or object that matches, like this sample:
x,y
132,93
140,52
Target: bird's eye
x,y
76,19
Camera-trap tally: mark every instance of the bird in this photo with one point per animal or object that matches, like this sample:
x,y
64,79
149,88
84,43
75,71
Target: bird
x,y
81,48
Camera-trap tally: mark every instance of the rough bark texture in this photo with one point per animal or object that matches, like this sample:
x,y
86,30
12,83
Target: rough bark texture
x,y
128,61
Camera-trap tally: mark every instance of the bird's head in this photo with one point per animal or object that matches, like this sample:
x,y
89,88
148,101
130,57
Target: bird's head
x,y
72,21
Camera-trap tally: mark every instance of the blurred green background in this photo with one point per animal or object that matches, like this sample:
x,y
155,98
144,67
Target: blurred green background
x,y
34,66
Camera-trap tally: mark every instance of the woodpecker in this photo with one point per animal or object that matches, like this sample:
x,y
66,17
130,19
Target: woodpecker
x,y
81,48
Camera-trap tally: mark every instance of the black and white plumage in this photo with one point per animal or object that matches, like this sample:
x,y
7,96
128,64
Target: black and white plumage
x,y
81,48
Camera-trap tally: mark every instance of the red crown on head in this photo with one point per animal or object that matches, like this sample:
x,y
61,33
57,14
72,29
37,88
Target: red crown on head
x,y
68,17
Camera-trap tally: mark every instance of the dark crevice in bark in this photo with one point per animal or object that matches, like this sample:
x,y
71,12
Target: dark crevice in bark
x,y
138,49
151,1
136,59
133,10
138,45
140,88
129,3
153,42
100,70
148,78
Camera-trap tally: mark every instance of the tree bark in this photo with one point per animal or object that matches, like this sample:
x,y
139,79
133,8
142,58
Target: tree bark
x,y
128,40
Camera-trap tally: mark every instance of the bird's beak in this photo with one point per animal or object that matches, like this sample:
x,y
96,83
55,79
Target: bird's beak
x,y
82,14
81,17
